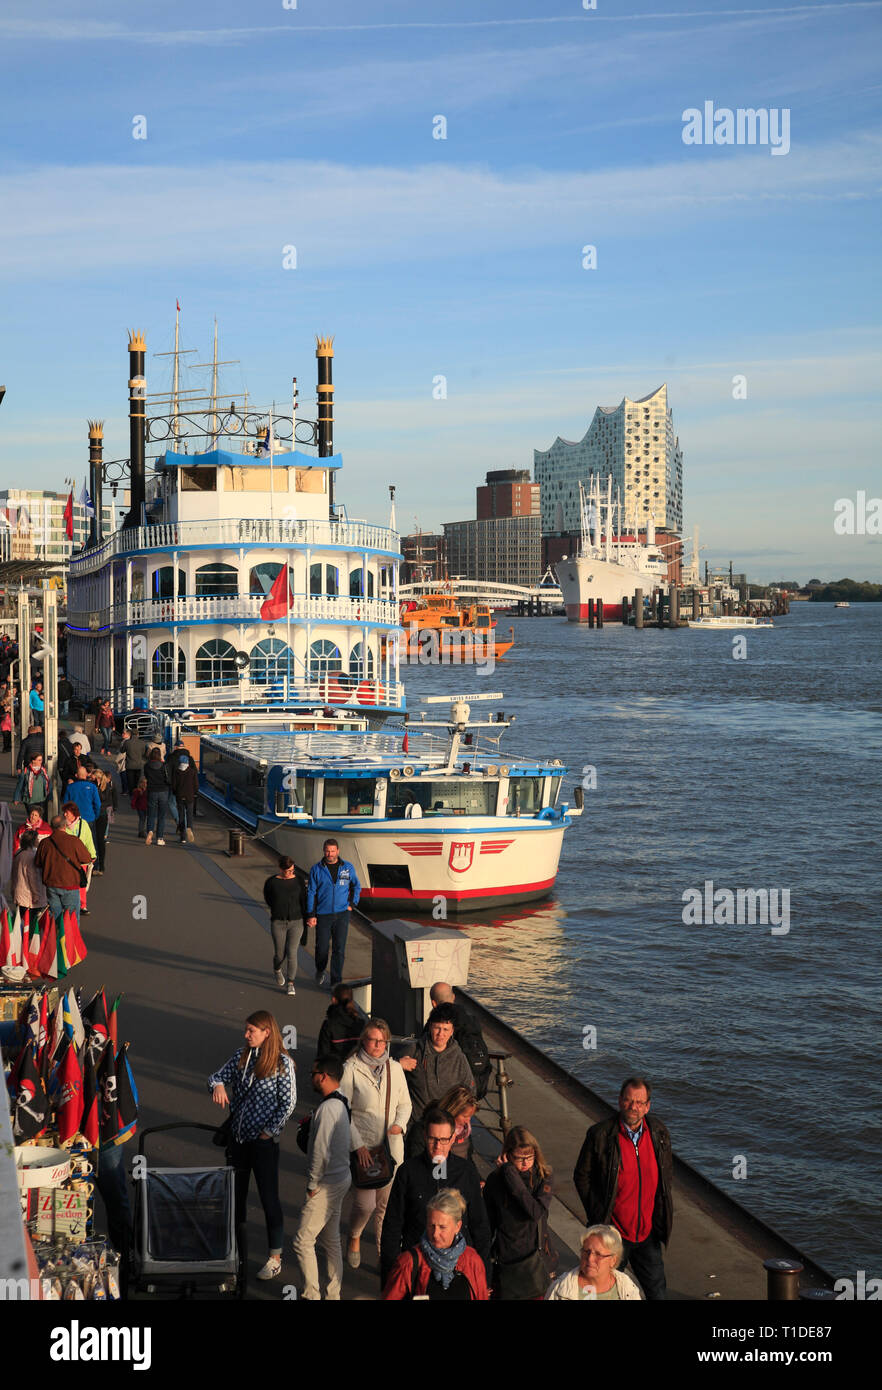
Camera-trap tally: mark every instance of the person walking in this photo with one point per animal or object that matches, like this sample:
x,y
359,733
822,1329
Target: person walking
x,y
32,787
441,1266
158,787
65,695
597,1277
35,700
105,725
327,1182
258,1084
27,888
517,1195
6,722
83,793
185,786
285,896
138,801
34,822
33,744
376,1089
107,793
624,1176
133,751
438,1066
82,831
342,1025
60,859
332,893
460,1104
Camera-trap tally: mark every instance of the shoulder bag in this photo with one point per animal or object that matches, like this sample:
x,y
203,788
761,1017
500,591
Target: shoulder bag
x,y
83,873
381,1168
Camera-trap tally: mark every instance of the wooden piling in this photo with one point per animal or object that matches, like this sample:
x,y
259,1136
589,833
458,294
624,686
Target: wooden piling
x,y
696,604
638,608
598,612
591,612
624,610
674,607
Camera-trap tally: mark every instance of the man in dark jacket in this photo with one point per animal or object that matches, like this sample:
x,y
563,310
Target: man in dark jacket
x,y
466,1034
185,785
624,1176
34,743
419,1178
133,751
438,1066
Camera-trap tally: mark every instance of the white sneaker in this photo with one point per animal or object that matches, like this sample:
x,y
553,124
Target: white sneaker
x,y
160,842
291,989
280,977
272,1267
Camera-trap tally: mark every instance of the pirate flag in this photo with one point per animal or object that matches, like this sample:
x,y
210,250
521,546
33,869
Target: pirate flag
x,y
89,1121
108,1101
31,1113
127,1096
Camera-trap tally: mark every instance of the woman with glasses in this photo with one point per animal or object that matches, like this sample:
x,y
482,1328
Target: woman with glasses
x,y
375,1086
518,1197
598,1276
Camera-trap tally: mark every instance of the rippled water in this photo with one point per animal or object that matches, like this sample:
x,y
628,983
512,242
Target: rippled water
x,y
756,773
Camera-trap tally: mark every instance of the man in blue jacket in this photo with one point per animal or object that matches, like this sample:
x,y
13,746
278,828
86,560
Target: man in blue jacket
x,y
84,794
331,894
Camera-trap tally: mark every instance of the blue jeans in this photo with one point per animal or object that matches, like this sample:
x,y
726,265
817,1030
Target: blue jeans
x,y
157,810
645,1259
63,899
107,735
65,706
331,930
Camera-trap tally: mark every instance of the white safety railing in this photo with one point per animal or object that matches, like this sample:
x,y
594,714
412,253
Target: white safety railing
x,y
235,607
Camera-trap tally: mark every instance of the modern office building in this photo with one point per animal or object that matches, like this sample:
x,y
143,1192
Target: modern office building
x,y
32,525
634,442
501,550
508,492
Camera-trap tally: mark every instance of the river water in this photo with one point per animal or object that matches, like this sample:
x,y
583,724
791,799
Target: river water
x,y
761,772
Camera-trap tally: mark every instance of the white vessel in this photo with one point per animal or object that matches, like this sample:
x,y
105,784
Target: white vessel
x,y
726,623
843,603
610,564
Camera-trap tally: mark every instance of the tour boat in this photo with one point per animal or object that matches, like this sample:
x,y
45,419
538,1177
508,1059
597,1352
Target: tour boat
x,y
438,627
729,622
435,824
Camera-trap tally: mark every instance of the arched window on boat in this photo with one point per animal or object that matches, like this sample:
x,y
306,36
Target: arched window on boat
x,y
271,661
139,661
263,576
216,578
137,585
357,663
165,677
324,659
324,579
356,588
164,581
216,663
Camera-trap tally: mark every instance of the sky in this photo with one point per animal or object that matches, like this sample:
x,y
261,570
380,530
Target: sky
x,y
313,127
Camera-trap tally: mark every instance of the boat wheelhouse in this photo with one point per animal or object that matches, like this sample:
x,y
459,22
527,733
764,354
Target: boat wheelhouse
x,y
437,820
187,608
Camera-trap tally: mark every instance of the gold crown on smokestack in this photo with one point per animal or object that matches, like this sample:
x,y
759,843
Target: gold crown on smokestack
x,y
136,341
96,429
324,347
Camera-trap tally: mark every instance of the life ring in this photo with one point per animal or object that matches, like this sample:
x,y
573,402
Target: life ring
x,y
548,813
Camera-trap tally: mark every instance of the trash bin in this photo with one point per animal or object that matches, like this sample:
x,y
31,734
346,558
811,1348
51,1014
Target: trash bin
x,y
237,842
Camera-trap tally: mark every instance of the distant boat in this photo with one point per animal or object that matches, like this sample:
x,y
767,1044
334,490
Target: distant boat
x,y
463,631
729,622
842,604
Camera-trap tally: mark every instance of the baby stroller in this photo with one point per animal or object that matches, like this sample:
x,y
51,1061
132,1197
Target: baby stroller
x,y
185,1236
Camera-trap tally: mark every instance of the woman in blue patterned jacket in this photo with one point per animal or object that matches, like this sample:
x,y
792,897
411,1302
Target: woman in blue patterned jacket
x,y
258,1085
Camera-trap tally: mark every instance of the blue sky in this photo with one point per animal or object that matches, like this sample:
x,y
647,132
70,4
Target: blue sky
x,y
312,127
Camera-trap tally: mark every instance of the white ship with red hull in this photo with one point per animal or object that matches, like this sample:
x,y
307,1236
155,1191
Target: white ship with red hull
x,y
610,564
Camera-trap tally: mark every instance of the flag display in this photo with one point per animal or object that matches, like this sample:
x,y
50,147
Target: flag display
x,y
68,517
127,1095
69,1113
279,598
86,502
31,1111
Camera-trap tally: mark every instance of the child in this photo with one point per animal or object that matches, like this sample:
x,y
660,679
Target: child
x,y
139,804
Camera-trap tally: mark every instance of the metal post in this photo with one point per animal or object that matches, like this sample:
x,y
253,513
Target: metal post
x,y
782,1280
50,693
674,608
598,612
24,661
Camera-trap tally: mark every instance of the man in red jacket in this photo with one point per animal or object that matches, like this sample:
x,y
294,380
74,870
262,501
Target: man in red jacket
x,y
624,1176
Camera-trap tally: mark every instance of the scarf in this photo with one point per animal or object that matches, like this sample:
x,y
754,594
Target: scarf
x,y
443,1263
378,1067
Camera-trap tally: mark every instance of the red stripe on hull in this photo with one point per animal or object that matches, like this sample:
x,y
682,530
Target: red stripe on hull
x,y
458,898
578,612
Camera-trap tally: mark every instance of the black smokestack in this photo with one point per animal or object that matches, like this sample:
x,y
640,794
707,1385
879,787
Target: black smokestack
x,y
324,351
137,426
96,452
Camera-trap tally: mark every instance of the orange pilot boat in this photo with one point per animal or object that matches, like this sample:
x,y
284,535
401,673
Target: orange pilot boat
x,y
438,627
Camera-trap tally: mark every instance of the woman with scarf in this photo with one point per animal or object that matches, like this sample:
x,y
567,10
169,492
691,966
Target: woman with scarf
x,y
442,1267
374,1085
258,1085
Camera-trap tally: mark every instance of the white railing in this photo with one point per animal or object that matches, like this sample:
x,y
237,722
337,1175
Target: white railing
x,y
232,531
341,692
235,607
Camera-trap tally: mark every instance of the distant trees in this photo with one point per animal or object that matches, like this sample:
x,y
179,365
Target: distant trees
x,y
846,590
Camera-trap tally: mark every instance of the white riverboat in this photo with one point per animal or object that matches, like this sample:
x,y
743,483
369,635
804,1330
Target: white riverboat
x,y
611,564
431,823
728,622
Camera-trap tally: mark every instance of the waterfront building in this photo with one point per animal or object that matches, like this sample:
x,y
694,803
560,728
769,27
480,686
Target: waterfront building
x,y
186,607
504,544
32,526
508,492
634,443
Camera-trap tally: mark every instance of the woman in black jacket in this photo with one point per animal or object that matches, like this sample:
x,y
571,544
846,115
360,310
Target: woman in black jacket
x,y
185,785
518,1198
158,787
342,1028
107,792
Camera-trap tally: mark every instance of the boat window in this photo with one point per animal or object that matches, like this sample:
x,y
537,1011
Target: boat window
x,y
216,579
301,794
164,675
555,790
137,586
263,576
331,577
216,663
356,663
324,659
164,582
460,797
246,782
198,480
524,796
271,661
139,662
356,587
349,796
255,479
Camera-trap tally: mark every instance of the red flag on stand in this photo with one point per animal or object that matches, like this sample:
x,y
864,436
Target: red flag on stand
x,y
278,600
69,1113
68,517
89,1121
47,965
5,941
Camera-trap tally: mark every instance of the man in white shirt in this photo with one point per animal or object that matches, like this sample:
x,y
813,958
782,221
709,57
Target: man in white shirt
x,y
328,1180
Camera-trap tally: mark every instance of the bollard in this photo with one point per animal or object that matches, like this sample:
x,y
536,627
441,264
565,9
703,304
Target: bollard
x,y
674,608
237,843
782,1280
638,608
591,612
696,604
598,612
624,610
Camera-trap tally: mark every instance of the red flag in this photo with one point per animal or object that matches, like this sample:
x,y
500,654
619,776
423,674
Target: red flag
x,y
278,600
68,517
178,305
89,1121
32,958
69,1113
74,945
47,965
404,744
5,941
112,1022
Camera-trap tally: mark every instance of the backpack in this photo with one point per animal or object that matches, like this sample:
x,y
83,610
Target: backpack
x,y
305,1124
472,1045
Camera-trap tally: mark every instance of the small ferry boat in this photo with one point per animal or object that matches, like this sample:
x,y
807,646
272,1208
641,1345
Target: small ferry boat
x,y
729,622
438,627
424,818
843,603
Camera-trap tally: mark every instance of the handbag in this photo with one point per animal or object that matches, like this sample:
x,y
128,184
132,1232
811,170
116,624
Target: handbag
x,y
223,1135
382,1165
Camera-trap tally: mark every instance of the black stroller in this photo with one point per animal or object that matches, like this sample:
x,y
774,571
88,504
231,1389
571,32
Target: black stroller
x,y
185,1236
